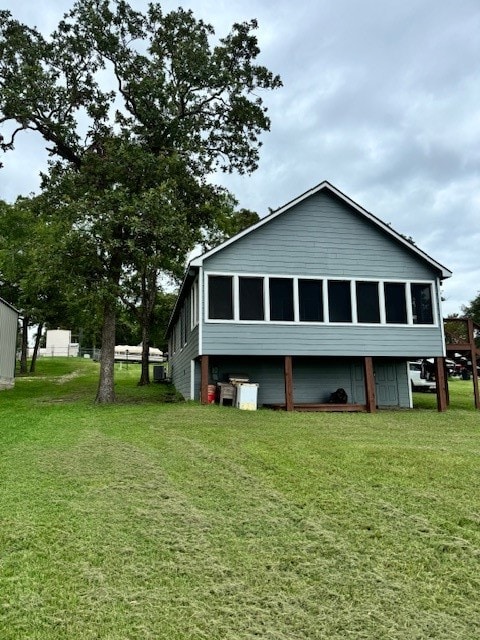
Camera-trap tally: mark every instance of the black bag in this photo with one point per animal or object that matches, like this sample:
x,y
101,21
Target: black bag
x,y
339,396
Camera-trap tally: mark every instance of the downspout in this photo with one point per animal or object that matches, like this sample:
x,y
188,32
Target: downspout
x,y
201,313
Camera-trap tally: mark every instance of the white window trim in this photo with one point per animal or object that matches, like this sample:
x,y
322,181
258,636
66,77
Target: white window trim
x,y
408,299
381,302
353,302
296,321
194,306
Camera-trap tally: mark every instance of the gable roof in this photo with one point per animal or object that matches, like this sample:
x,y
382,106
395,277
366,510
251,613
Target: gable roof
x,y
7,304
326,186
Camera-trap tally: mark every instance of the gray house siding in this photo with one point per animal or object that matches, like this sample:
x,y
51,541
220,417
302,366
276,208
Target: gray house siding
x,y
320,236
314,379
181,369
183,352
326,340
8,342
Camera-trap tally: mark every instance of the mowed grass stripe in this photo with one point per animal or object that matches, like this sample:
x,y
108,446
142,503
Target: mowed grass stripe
x,y
153,520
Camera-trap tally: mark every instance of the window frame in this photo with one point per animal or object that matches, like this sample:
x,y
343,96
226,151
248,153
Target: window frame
x,y
294,284
194,305
428,285
407,282
261,280
348,285
234,291
304,307
358,284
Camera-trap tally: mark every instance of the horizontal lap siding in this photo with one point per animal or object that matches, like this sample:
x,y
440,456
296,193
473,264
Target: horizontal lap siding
x,y
321,236
271,339
180,363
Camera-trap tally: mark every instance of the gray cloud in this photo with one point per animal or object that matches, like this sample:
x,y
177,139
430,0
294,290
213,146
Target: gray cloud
x,y
382,99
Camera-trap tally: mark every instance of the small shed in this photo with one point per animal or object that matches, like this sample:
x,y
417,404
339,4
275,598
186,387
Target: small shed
x,y
8,344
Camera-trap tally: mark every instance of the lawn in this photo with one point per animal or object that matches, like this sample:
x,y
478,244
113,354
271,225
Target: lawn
x,y
160,520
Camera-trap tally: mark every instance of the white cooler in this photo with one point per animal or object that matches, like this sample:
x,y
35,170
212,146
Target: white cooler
x,y
246,396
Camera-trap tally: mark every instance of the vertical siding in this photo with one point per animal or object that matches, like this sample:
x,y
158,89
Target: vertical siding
x,y
8,343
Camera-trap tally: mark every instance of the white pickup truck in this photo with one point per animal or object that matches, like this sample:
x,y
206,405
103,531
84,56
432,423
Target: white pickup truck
x,y
417,382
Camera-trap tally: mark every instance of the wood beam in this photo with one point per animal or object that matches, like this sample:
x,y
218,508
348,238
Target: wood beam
x,y
460,346
473,358
369,376
288,368
440,380
204,372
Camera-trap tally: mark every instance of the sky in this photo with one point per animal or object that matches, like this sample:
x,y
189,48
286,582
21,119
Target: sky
x,y
380,97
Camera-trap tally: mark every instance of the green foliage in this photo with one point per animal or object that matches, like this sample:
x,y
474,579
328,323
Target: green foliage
x,y
31,272
227,223
176,90
129,164
472,309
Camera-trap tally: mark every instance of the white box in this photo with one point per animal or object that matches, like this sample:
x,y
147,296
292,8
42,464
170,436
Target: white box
x,y
246,397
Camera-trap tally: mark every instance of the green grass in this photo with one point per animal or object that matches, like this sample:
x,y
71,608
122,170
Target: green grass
x,y
155,520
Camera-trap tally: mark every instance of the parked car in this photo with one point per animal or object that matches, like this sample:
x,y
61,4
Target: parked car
x,y
418,379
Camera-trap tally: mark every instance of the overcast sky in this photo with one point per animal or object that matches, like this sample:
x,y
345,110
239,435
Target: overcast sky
x,y
380,97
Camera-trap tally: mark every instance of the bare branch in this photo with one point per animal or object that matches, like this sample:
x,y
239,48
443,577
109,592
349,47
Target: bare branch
x,y
9,145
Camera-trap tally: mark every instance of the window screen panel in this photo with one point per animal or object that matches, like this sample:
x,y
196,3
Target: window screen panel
x,y
422,308
251,298
281,299
368,304
395,303
220,298
339,301
310,300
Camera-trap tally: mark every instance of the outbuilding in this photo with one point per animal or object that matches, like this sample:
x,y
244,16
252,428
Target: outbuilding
x,y
8,344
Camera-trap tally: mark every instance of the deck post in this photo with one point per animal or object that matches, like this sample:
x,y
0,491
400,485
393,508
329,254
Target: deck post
x,y
204,369
370,398
440,379
288,383
473,358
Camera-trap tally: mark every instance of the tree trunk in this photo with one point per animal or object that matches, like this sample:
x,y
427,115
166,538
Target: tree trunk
x,y
149,296
106,388
36,347
145,374
24,348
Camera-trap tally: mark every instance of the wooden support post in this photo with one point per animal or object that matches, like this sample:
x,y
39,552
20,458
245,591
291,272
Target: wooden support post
x,y
370,397
288,383
440,380
204,371
473,358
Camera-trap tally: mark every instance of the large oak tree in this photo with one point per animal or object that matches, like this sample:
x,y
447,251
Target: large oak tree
x,y
136,110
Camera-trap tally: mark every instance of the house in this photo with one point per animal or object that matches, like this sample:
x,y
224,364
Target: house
x,y
8,344
318,295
